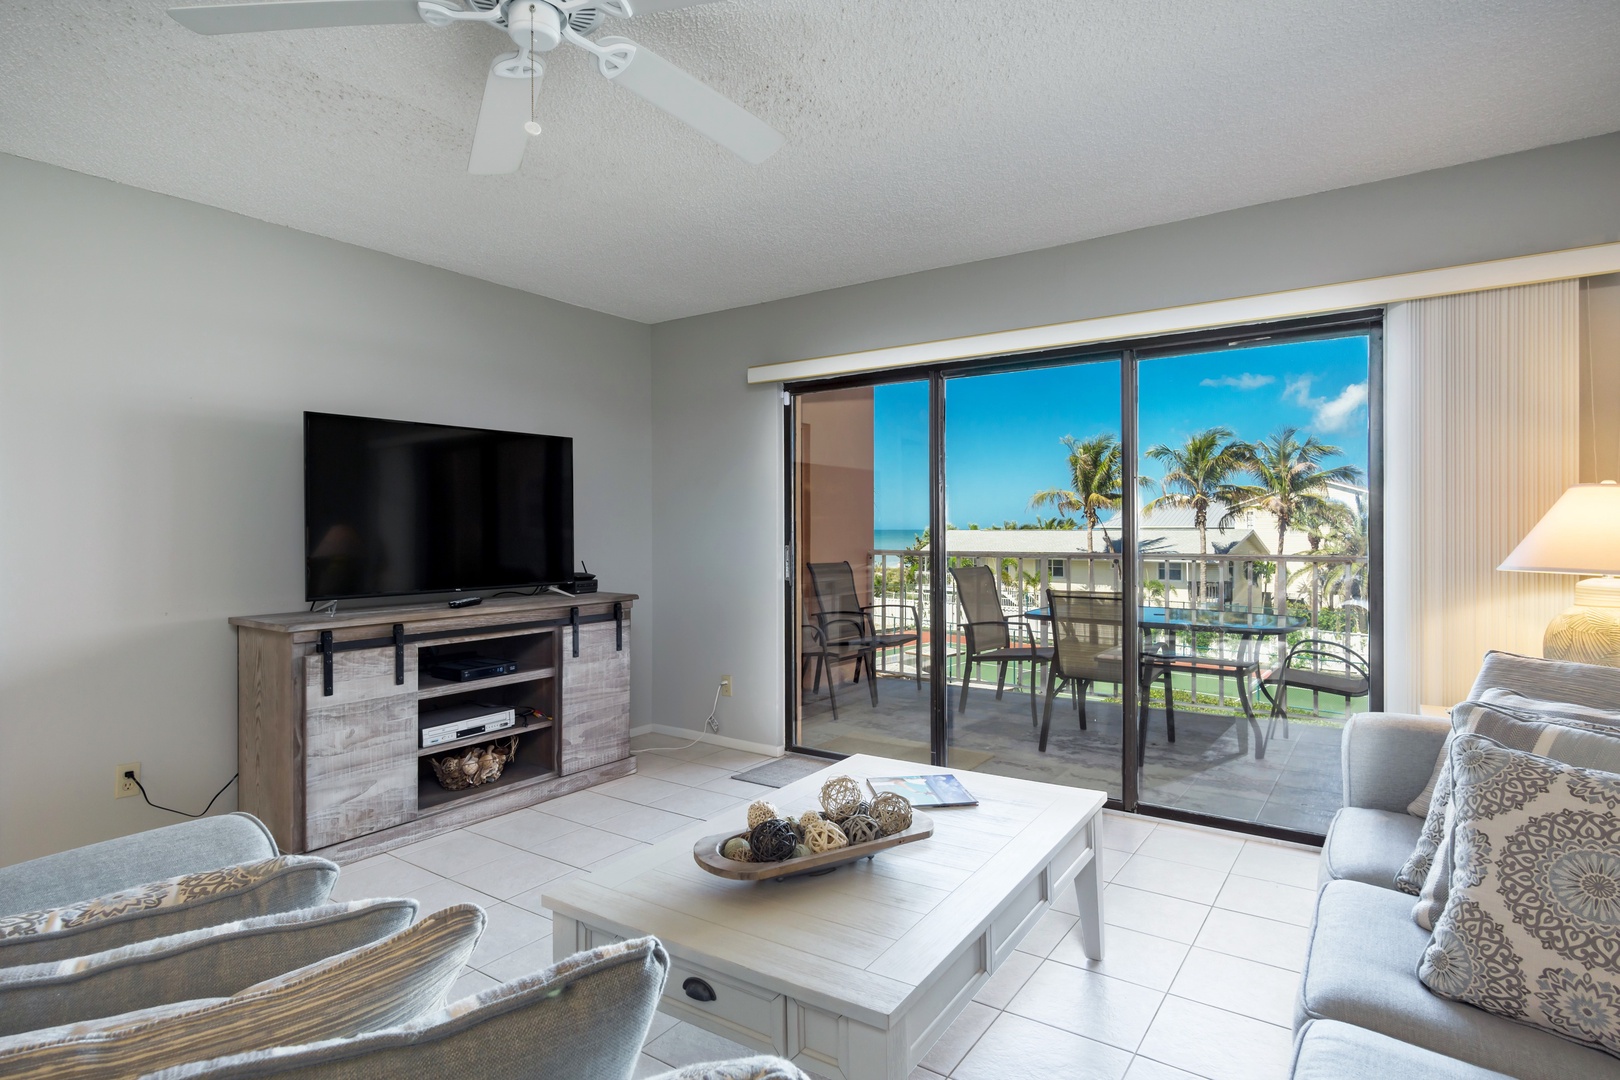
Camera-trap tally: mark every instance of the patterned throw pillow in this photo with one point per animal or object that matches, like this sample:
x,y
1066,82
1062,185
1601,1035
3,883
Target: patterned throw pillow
x,y
1531,929
377,986
1499,717
161,908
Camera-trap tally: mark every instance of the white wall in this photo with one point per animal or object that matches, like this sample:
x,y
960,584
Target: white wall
x,y
717,479
155,358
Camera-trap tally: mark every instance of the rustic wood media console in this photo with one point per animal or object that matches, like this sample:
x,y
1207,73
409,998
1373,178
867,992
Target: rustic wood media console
x,y
329,710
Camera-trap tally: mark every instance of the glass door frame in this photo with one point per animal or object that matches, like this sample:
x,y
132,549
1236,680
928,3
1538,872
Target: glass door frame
x,y
1129,354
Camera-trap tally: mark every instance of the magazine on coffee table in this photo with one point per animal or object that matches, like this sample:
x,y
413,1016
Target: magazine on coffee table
x,y
933,790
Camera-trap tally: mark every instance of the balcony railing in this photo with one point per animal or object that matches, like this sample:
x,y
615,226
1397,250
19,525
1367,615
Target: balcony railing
x,y
1330,590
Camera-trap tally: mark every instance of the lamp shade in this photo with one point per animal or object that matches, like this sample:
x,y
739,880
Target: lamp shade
x,y
1579,535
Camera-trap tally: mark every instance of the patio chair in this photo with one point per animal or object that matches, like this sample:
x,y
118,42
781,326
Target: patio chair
x,y
990,633
849,631
1088,629
1355,680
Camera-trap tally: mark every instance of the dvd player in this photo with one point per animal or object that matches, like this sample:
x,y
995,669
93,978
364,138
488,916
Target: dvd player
x,y
468,668
464,721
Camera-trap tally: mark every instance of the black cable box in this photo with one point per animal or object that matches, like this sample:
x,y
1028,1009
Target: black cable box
x,y
468,668
582,583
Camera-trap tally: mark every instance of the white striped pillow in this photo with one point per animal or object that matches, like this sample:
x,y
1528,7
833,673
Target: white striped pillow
x,y
376,986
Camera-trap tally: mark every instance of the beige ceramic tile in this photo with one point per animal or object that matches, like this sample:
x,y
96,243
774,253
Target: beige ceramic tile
x,y
1238,985
1047,932
1108,1010
953,1045
1217,1044
1124,832
1152,913
515,874
1195,847
508,930
1016,1048
1284,865
1268,900
1127,954
1009,978
450,853
1178,879
1271,942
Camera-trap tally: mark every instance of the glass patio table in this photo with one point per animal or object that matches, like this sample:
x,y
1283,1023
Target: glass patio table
x,y
1163,660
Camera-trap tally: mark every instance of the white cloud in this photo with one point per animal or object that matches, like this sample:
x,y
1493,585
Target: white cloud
x,y
1327,414
1246,381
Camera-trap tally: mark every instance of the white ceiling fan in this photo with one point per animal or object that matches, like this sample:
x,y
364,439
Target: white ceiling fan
x,y
507,117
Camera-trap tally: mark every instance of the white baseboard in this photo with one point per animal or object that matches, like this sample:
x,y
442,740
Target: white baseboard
x,y
681,735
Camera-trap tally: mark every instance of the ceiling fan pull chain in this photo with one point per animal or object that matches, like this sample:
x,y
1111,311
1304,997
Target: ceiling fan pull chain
x,y
533,126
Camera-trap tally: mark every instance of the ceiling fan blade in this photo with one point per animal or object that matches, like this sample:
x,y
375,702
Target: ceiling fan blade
x,y
651,77
294,15
648,7
500,140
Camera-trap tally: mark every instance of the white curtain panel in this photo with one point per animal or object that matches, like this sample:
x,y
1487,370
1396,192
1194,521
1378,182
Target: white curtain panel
x,y
1482,434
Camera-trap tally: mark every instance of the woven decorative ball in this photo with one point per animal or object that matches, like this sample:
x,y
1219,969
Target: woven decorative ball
x,y
862,807
861,829
840,796
759,810
737,850
772,841
823,836
800,851
892,812
809,818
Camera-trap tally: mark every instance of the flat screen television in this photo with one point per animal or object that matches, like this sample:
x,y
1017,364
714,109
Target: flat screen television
x,y
393,508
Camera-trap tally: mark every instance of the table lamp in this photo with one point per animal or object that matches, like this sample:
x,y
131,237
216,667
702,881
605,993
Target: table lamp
x,y
1580,535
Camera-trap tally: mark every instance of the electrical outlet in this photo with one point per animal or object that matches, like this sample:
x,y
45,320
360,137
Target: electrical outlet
x,y
123,786
725,686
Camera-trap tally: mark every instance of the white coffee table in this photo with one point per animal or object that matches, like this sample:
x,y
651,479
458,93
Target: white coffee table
x,y
854,974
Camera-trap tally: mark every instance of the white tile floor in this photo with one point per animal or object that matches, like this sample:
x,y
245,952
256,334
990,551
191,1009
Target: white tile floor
x,y
1205,933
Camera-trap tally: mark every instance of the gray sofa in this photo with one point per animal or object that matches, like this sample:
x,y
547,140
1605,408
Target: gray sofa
x,y
1362,1011
583,1019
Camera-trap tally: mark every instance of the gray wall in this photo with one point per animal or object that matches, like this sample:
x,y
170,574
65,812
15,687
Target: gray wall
x,y
155,357
717,477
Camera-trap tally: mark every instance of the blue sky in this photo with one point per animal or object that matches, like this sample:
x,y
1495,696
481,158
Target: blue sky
x,y
1003,431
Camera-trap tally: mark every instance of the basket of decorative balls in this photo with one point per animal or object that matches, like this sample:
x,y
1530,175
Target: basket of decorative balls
x,y
780,845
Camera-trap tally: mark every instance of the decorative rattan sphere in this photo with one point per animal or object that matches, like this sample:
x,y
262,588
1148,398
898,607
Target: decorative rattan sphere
x,y
760,810
861,829
840,796
823,836
737,850
892,812
809,818
772,841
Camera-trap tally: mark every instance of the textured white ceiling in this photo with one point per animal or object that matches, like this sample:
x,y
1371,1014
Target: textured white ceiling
x,y
921,133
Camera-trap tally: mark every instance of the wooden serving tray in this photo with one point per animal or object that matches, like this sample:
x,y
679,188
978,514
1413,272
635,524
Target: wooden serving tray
x,y
707,854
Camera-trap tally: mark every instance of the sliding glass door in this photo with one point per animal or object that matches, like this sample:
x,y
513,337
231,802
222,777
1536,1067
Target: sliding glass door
x,y
1033,472
860,471
1253,545
1150,570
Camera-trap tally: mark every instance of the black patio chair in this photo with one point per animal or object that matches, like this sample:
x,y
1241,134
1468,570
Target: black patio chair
x,y
850,631
1088,632
1350,678
990,633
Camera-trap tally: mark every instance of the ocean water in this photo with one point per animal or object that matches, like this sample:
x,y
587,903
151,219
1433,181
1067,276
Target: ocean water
x,y
896,539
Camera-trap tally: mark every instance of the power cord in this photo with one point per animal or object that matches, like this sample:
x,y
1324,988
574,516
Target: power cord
x,y
129,775
708,725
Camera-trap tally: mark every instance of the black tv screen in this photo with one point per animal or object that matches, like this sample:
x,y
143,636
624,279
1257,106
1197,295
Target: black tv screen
x,y
392,508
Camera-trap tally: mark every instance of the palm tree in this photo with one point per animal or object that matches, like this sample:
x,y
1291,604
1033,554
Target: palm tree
x,y
1093,482
1289,483
1197,475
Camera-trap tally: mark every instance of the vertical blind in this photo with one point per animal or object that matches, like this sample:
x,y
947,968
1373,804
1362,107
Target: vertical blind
x,y
1482,431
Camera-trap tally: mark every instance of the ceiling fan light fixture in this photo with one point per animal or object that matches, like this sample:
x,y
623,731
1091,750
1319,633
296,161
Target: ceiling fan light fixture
x,y
532,127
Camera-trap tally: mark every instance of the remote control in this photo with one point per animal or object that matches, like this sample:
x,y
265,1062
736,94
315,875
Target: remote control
x,y
468,601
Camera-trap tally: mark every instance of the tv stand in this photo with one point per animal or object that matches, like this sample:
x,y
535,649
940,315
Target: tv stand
x,y
329,708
